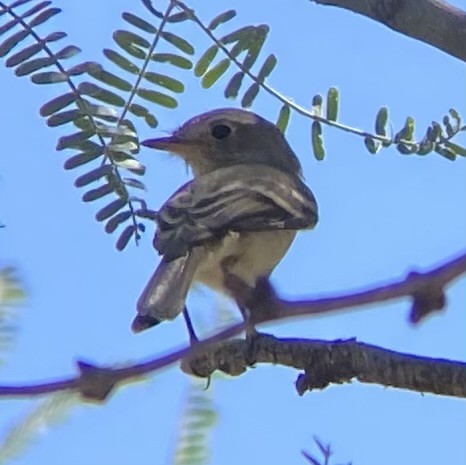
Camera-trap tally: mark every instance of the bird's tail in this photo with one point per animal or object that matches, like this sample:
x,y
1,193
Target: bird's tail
x,y
164,296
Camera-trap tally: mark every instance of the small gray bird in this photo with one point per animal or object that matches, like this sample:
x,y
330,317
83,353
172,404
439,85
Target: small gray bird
x,y
241,210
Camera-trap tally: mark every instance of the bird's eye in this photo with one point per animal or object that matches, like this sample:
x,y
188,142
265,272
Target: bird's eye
x,y
221,131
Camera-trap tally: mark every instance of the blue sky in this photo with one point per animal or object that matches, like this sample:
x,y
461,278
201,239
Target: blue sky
x,y
381,216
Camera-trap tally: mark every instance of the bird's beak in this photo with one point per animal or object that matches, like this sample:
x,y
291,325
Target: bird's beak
x,y
169,144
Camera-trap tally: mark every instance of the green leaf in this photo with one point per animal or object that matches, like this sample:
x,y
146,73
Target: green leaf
x,y
165,81
448,127
332,104
73,140
178,42
116,220
433,132
157,97
9,25
240,46
64,117
131,49
426,146
404,149
174,60
49,77
251,57
55,36
317,140
99,111
221,19
98,193
151,120
232,88
81,159
457,149
117,156
106,130
250,95
101,94
43,16
124,238
446,152
9,44
81,68
33,65
85,124
138,110
381,121
93,175
372,145
35,9
407,133
121,61
128,146
179,17
283,118
132,182
125,134
139,23
67,52
215,73
205,60
110,209
128,38
110,79
257,41
267,67
245,33
317,102
456,116
133,165
23,55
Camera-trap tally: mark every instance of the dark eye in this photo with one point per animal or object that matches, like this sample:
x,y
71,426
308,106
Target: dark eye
x,y
221,131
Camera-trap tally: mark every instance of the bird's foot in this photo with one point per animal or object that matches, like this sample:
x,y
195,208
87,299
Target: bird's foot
x,y
193,339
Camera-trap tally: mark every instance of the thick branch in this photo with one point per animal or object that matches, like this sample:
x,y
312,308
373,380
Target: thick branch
x,y
426,290
326,362
432,21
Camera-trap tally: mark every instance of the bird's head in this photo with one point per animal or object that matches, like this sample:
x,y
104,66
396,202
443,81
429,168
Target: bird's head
x,y
227,137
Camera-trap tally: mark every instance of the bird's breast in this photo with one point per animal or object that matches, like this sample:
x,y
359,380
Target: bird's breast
x,y
250,256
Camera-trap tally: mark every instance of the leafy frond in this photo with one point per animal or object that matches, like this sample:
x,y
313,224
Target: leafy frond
x,y
11,294
242,47
249,40
98,102
437,138
48,413
197,421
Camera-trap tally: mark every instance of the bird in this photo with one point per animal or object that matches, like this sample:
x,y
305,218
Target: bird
x,y
239,214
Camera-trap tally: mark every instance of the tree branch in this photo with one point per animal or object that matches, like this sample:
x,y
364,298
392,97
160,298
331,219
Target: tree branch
x,y
434,22
327,362
425,289
323,362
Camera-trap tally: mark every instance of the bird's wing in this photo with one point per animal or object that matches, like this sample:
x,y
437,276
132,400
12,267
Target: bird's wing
x,y
237,198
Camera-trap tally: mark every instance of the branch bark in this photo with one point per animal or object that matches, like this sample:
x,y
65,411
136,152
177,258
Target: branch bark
x,y
330,362
434,22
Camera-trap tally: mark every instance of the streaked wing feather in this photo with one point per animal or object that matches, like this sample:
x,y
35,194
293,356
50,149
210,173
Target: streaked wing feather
x,y
239,198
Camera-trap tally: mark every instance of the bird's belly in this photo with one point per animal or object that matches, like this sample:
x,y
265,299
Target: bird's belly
x,y
250,256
